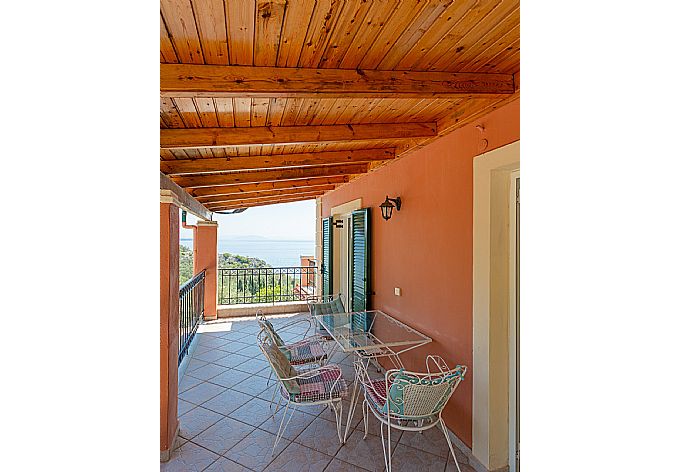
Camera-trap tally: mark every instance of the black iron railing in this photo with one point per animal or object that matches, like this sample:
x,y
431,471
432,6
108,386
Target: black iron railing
x,y
266,285
191,311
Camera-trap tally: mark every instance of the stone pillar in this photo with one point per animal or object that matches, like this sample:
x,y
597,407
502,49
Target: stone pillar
x,y
170,321
206,257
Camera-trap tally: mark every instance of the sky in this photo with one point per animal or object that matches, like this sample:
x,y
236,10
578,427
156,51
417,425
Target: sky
x,y
292,221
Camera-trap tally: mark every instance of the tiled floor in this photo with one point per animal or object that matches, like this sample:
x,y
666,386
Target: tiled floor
x,y
226,424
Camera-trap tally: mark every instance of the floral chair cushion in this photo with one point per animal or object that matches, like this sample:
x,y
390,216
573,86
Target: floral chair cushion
x,y
328,384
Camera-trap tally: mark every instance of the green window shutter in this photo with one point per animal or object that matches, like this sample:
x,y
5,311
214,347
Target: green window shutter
x,y
327,259
360,265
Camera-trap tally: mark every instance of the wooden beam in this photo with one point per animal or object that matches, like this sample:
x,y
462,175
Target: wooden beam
x,y
253,203
220,81
266,186
241,201
270,175
270,193
187,138
187,201
198,166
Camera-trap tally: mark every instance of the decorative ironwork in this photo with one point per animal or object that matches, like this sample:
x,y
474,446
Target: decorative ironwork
x,y
266,284
191,311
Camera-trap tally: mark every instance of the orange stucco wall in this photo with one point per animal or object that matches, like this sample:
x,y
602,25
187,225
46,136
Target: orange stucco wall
x,y
206,257
426,248
170,321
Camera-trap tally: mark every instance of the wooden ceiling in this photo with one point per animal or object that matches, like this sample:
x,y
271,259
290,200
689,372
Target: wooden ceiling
x,y
266,102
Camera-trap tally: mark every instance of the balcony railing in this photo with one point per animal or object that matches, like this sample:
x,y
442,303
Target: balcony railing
x,y
266,285
191,311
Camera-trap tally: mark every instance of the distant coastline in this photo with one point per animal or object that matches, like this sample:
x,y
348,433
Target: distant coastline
x,y
277,252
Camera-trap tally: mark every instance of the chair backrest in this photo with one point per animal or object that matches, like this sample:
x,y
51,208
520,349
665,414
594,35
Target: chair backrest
x,y
328,305
414,395
277,360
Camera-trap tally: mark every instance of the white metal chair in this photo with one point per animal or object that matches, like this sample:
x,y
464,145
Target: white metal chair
x,y
321,386
409,401
309,350
328,305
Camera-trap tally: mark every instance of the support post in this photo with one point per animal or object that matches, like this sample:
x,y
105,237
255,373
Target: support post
x,y
206,257
170,324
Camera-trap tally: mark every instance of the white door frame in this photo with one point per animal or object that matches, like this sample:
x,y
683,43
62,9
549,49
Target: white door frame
x,y
514,331
490,304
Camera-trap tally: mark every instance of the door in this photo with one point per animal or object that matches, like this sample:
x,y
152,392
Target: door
x,y
327,257
360,237
344,236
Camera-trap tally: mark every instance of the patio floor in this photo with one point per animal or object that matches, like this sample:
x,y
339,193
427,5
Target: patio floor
x,y
226,424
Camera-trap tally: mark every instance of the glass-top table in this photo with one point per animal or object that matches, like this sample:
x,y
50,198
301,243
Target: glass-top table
x,y
369,335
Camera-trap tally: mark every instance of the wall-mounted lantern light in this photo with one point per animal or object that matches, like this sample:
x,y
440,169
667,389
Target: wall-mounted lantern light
x,y
388,205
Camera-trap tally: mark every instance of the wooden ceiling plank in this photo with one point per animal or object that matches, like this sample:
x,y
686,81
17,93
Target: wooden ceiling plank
x,y
169,113
268,25
474,61
320,30
210,23
421,24
295,28
206,109
350,19
189,80
177,167
239,17
243,112
187,109
270,175
266,186
474,25
179,19
221,137
168,53
445,23
368,32
397,23
508,62
477,41
225,112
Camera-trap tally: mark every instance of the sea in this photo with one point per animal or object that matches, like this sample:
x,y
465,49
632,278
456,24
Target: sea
x,y
278,253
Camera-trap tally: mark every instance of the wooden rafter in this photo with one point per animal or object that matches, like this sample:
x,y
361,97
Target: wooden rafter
x,y
187,202
253,203
266,186
246,198
196,166
220,81
268,193
222,137
270,175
